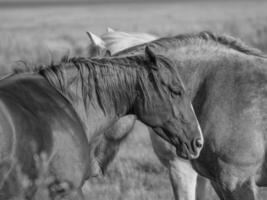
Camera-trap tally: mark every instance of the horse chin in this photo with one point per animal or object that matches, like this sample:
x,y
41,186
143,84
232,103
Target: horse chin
x,y
182,152
182,155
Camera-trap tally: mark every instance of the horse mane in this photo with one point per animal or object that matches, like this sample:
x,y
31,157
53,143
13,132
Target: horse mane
x,y
225,40
111,78
230,42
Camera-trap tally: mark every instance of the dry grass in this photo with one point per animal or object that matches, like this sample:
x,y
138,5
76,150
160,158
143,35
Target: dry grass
x,y
40,35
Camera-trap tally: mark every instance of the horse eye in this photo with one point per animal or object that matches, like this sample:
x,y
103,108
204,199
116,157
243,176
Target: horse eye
x,y
176,91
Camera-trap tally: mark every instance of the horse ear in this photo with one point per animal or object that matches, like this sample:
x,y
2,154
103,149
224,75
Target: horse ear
x,y
108,53
97,41
151,57
110,30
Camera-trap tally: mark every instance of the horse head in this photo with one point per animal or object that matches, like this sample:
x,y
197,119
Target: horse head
x,y
167,108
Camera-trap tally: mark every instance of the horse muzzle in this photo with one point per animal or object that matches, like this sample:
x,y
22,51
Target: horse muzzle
x,y
190,151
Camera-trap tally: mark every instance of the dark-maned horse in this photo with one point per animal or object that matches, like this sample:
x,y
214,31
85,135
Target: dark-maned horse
x,y
180,171
227,81
55,110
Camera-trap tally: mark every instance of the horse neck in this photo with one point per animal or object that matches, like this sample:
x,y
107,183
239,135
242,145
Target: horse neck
x,y
111,94
197,63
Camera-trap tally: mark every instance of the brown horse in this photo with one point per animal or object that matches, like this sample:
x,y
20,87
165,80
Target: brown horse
x,y
55,110
228,84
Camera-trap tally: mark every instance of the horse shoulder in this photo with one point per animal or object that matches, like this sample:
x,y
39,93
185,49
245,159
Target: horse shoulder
x,y
232,125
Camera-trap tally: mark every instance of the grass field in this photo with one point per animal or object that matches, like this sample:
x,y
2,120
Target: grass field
x,y
39,35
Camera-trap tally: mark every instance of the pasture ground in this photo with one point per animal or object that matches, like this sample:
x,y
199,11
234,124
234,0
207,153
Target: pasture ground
x,y
42,34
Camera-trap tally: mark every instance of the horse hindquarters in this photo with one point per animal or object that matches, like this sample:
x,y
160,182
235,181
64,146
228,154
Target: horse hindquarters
x,y
182,176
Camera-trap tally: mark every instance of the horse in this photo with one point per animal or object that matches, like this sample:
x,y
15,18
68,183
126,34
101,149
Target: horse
x,y
115,41
227,84
57,109
183,187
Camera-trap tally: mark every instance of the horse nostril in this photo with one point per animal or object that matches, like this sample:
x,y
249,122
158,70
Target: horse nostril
x,y
198,143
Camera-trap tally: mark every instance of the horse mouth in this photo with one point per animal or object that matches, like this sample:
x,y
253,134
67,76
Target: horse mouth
x,y
162,134
185,153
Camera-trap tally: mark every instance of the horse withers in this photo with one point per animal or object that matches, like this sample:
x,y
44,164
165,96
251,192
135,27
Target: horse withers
x,y
55,110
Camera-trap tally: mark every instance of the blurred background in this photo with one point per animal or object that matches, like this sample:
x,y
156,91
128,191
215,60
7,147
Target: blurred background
x,y
39,31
